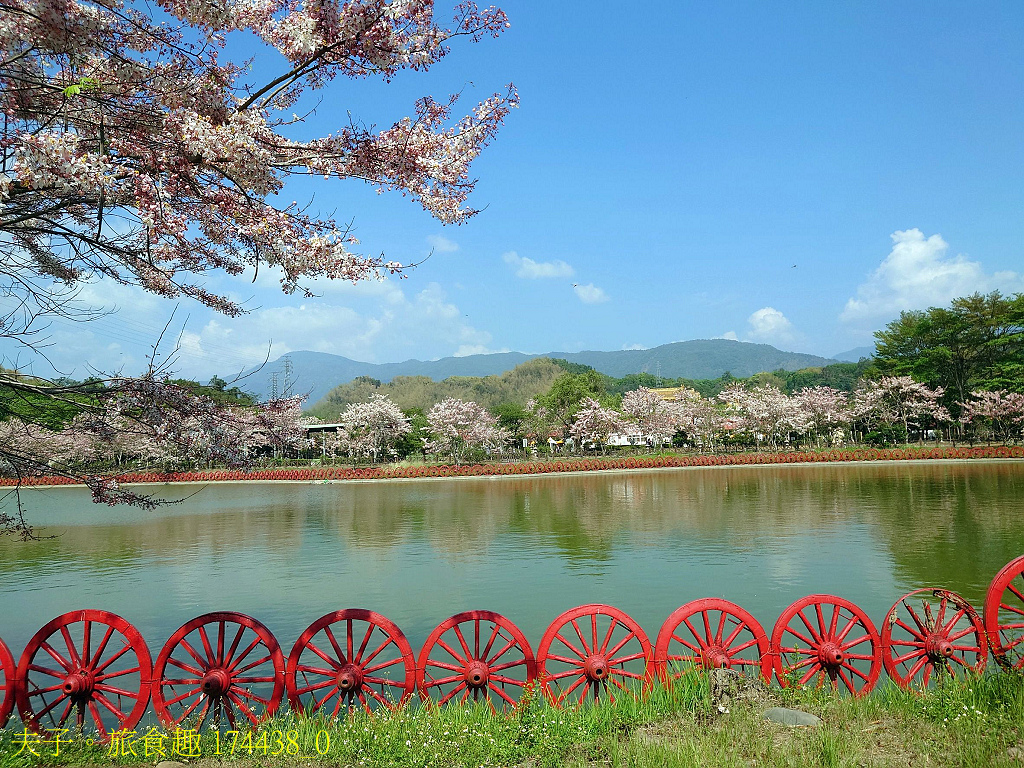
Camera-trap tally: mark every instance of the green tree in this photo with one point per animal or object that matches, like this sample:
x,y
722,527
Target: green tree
x,y
563,400
976,343
411,442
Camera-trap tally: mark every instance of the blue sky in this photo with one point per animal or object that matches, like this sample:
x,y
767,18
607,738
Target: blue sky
x,y
674,161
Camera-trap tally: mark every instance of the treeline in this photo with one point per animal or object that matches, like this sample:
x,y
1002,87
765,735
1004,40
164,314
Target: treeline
x,y
535,378
57,402
974,345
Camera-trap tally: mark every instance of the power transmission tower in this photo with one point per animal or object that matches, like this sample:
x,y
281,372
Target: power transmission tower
x,y
273,386
289,378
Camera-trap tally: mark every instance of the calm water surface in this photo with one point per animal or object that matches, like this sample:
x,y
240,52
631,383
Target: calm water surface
x,y
529,548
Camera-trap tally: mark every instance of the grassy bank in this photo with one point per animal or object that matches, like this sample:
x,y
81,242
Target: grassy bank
x,y
972,723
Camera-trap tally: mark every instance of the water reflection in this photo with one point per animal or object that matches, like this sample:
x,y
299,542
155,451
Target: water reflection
x,y
419,551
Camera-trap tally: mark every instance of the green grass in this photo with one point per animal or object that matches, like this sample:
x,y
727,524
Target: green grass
x,y
973,723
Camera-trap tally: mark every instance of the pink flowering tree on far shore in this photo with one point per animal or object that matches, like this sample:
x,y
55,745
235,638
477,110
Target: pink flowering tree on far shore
x,y
650,414
373,428
997,414
593,424
827,412
701,419
764,413
893,400
457,427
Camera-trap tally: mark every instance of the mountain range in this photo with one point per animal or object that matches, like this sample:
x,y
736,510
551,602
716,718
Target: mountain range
x,y
316,373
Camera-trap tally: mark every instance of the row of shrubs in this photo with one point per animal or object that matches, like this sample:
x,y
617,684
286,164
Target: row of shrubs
x,y
542,467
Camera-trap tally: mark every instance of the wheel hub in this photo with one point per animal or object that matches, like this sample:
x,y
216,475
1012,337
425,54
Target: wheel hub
x,y
714,658
477,674
830,655
350,678
596,667
79,685
938,647
216,682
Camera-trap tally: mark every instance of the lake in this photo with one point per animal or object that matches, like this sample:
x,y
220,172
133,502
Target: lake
x,y
527,547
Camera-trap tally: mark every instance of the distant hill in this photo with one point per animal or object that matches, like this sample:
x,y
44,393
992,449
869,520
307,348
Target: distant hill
x,y
316,373
854,355
526,380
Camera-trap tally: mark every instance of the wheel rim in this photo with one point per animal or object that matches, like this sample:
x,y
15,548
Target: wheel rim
x,y
1004,615
218,670
616,657
931,633
711,633
353,659
826,639
478,656
7,672
84,670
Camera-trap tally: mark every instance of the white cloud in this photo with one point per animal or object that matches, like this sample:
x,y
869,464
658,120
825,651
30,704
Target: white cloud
x,y
769,325
633,346
590,293
533,270
920,273
476,349
442,244
378,324
731,335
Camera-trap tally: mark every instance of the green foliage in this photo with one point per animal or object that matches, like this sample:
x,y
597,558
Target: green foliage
x,y
560,386
42,409
217,390
412,442
562,401
841,376
517,386
512,417
886,435
977,343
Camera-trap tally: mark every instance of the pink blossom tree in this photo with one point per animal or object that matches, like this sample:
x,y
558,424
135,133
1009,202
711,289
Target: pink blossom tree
x,y
593,424
654,418
827,410
458,426
373,428
899,400
998,413
765,413
136,147
700,418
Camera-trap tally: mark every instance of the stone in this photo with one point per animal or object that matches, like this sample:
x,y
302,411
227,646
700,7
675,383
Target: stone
x,y
729,685
794,718
170,764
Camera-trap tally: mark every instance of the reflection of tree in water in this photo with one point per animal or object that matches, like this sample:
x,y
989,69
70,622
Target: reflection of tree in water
x,y
951,525
945,524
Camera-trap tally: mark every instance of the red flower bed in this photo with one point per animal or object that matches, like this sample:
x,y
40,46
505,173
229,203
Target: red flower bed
x,y
571,465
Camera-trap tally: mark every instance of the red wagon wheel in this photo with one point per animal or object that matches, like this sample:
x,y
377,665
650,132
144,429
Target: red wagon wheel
x,y
942,635
711,633
824,637
218,667
356,657
7,671
85,669
479,655
617,652
1004,615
